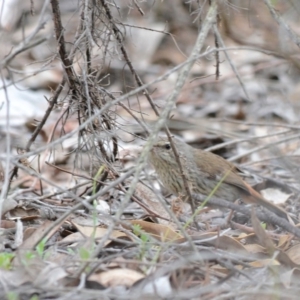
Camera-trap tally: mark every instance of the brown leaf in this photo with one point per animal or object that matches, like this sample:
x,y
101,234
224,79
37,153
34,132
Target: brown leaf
x,y
294,253
223,242
266,241
152,201
255,248
261,234
24,214
7,224
31,241
99,232
158,231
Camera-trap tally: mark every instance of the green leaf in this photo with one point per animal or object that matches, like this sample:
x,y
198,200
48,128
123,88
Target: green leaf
x,y
12,296
5,260
84,254
40,248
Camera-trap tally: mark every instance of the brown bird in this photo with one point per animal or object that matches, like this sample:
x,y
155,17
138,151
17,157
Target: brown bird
x,y
204,172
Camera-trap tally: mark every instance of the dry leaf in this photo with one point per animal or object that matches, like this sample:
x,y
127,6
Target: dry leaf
x,y
39,233
73,237
161,232
255,248
152,201
50,275
7,224
266,241
294,253
261,234
289,277
8,205
275,195
99,232
116,277
284,240
264,263
24,214
14,278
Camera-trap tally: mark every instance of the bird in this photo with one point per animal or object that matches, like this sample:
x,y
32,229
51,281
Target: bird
x,y
205,173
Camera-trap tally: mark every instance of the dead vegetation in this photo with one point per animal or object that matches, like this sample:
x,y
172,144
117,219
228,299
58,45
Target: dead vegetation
x,y
86,88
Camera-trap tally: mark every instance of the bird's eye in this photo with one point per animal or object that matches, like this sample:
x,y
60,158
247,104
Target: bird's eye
x,y
167,146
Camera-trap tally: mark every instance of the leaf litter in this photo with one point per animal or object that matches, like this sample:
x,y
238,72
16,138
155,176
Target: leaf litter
x,y
61,237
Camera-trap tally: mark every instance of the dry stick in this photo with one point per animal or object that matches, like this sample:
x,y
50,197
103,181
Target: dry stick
x,y
217,52
34,173
51,195
91,128
135,198
219,146
285,162
249,139
145,128
282,23
5,187
234,69
21,48
207,24
208,80
78,36
41,124
106,121
210,51
72,173
138,8
67,63
260,124
236,135
52,103
249,230
84,203
25,44
267,216
236,157
154,30
89,39
277,157
118,37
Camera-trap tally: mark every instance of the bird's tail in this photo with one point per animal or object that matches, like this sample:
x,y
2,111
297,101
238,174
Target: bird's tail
x,y
259,199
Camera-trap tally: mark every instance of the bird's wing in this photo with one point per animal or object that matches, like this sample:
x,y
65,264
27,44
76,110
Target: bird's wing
x,y
222,170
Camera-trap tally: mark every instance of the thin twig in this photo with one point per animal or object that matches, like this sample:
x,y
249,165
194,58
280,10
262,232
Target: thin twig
x,y
34,135
61,42
282,23
239,156
265,216
234,69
